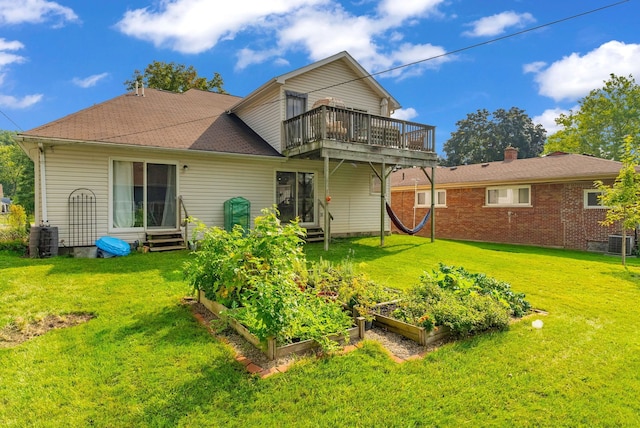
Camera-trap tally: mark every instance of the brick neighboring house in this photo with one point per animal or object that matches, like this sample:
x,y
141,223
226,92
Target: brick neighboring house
x,y
547,201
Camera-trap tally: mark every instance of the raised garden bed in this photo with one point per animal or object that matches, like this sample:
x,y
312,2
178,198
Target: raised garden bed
x,y
271,348
415,333
420,335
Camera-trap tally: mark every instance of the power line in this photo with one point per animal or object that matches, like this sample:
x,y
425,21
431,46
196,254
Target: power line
x,y
487,42
11,120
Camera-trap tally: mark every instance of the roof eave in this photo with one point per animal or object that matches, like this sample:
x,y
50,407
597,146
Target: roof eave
x,y
63,141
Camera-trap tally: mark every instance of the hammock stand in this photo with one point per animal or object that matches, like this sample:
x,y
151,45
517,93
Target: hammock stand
x,y
394,218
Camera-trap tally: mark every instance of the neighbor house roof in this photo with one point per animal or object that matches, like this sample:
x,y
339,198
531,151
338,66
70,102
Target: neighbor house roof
x,y
341,56
551,168
193,120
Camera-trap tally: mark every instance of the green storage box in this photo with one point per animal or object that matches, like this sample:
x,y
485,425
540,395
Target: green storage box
x,y
237,211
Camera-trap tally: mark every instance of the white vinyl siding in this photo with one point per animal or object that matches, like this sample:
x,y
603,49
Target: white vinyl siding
x,y
265,114
354,208
355,94
208,181
265,117
511,196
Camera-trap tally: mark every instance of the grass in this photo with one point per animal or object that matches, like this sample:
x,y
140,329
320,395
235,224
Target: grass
x,y
144,361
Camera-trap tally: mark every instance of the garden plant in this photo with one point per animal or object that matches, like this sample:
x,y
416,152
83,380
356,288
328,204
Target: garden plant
x,y
261,276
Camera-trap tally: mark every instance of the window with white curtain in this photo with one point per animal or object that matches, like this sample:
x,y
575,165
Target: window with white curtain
x,y
508,196
144,195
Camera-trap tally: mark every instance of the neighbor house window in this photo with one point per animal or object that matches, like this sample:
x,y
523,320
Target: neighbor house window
x,y
508,196
592,199
143,195
423,198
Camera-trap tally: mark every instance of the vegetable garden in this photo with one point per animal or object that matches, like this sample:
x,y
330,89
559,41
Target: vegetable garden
x,y
265,284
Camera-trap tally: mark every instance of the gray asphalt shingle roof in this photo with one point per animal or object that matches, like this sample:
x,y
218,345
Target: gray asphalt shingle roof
x,y
554,167
193,120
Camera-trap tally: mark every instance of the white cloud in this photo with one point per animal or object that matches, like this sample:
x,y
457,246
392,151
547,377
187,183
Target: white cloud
x,y
548,119
9,101
398,11
534,67
319,27
574,76
34,12
247,57
13,45
194,26
7,58
90,81
405,113
498,24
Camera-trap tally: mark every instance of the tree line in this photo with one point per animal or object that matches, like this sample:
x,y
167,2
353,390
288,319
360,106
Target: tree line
x,y
598,127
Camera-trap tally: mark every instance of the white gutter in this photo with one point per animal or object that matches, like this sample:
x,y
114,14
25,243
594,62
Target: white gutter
x,y
43,185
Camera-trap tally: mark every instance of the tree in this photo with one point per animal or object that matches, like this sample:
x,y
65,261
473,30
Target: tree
x,y
604,118
174,77
16,172
483,136
622,198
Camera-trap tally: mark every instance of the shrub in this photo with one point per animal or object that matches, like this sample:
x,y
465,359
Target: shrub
x,y
14,237
17,219
467,303
461,282
469,314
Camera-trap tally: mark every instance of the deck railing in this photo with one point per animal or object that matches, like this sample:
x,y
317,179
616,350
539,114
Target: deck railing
x,y
350,126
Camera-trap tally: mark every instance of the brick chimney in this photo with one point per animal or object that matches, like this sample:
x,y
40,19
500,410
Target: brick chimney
x,y
510,153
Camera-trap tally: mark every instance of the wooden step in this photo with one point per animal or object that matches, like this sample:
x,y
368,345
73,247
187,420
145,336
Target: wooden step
x,y
314,234
167,248
165,240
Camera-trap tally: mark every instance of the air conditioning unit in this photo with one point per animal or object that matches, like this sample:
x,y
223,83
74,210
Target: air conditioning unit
x,y
615,244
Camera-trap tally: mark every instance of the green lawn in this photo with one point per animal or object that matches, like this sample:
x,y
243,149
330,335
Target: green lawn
x,y
144,360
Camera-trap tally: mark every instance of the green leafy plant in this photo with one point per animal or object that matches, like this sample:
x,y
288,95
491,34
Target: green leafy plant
x,y
465,302
341,281
461,282
261,276
14,237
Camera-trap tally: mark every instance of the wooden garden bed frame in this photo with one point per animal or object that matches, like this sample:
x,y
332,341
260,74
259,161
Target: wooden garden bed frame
x,y
272,350
410,331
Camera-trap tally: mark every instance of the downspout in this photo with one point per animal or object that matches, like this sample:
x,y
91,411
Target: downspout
x,y
433,204
43,185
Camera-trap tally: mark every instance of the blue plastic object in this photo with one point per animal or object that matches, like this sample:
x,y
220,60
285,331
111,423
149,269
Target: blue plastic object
x,y
114,246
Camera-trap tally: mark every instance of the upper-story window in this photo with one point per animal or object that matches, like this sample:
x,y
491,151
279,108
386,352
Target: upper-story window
x,y
508,196
296,104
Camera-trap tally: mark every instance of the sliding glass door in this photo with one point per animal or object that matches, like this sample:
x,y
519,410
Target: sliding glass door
x,y
144,195
295,196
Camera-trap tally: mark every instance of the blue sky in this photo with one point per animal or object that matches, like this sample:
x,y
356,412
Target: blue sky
x,y
58,57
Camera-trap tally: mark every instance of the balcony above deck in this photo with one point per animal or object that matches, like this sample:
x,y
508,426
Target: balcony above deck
x,y
358,137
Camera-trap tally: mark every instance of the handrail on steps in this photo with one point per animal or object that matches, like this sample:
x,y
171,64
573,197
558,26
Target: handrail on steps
x,y
183,221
